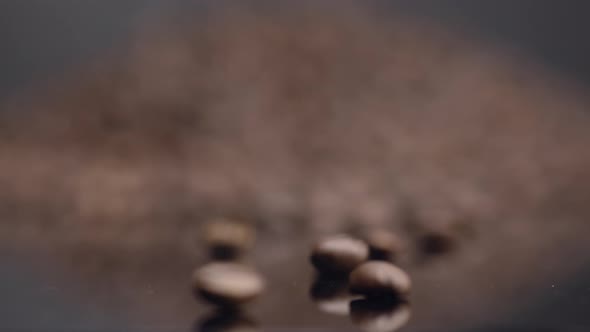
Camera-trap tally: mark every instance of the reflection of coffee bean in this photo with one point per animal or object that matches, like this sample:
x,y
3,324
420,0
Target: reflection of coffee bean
x,y
326,287
226,321
383,244
331,295
339,254
228,239
379,316
436,242
379,280
227,284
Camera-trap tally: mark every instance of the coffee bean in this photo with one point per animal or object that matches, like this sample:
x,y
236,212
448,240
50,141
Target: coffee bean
x,y
227,284
379,280
339,254
383,245
379,316
227,239
436,242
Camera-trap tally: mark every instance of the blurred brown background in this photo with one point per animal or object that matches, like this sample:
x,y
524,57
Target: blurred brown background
x,y
40,39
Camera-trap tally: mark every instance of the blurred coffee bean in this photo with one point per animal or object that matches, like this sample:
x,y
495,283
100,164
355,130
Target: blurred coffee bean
x,y
383,245
226,321
331,295
379,316
227,284
339,254
227,239
380,280
436,242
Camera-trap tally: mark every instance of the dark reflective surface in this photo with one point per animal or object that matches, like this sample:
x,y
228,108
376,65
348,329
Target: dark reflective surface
x,y
330,294
225,320
379,315
33,299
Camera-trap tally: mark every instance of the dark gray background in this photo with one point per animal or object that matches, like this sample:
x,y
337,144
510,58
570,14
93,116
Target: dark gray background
x,y
40,38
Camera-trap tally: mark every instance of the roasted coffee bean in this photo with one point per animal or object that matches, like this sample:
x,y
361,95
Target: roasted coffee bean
x,y
227,284
379,316
339,254
380,280
436,242
383,245
227,239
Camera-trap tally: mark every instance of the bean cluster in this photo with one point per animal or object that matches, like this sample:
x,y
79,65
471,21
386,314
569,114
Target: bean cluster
x,y
355,277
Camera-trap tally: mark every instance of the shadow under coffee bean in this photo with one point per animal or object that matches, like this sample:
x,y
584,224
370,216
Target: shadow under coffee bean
x,y
331,295
226,321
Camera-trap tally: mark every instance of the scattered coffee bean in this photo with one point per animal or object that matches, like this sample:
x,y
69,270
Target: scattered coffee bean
x,y
436,242
331,295
227,284
228,239
339,254
383,245
379,316
379,280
